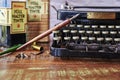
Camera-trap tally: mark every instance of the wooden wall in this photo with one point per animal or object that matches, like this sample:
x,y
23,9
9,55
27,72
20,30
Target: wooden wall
x,y
35,28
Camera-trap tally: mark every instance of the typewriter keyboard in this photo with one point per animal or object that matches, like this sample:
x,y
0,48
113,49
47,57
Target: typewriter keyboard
x,y
82,37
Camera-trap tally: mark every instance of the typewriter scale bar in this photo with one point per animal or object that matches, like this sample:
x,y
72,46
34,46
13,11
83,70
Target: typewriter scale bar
x,y
90,14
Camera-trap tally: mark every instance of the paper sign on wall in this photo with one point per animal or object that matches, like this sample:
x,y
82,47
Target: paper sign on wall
x,y
19,17
35,9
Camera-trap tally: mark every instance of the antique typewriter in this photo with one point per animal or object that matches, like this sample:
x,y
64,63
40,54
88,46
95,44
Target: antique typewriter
x,y
95,33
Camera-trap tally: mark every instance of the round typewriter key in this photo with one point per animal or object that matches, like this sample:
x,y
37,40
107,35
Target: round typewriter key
x,y
105,32
96,32
80,26
86,26
81,31
117,40
100,40
84,39
113,32
65,42
91,39
66,33
67,39
72,25
73,33
118,32
111,26
117,26
108,40
89,33
102,26
56,33
76,39
55,42
94,26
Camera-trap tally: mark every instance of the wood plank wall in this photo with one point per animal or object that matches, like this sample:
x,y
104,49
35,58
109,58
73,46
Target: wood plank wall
x,y
36,28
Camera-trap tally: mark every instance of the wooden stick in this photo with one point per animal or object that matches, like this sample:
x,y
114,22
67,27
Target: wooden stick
x,y
46,33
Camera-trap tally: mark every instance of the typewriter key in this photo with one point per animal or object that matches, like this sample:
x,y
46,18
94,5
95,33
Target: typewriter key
x,y
94,26
113,34
117,40
84,39
118,32
108,40
117,26
65,42
111,26
81,33
97,33
56,41
100,40
73,33
105,34
76,39
66,33
72,25
86,26
102,26
91,39
56,33
89,33
80,26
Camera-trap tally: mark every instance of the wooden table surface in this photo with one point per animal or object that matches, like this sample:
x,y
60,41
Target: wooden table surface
x,y
47,67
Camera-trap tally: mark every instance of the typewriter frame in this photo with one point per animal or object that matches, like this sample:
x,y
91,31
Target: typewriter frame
x,y
84,18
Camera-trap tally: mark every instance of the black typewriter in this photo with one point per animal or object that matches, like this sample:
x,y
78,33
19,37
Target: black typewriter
x,y
95,33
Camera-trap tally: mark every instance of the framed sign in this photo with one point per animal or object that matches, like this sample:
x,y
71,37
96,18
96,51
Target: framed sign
x,y
36,8
18,17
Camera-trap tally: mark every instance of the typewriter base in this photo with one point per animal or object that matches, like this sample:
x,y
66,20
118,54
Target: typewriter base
x,y
63,52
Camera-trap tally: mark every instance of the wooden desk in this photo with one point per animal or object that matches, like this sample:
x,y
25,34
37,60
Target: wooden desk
x,y
47,67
